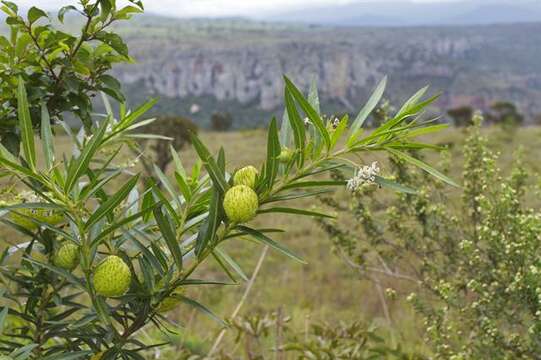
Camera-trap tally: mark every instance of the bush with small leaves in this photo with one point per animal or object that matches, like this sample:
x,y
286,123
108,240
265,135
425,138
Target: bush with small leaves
x,y
477,261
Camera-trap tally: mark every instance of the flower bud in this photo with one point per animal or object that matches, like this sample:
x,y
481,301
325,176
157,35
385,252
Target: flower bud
x,y
112,277
285,155
240,203
67,256
246,176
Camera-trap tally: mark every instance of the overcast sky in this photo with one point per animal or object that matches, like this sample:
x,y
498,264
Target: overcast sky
x,y
213,7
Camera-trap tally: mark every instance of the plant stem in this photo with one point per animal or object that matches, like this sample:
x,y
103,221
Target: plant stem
x,y
249,287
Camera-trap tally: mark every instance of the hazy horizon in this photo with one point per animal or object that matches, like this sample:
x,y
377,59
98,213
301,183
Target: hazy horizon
x,y
255,8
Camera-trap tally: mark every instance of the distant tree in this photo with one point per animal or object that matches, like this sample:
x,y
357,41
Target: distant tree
x,y
505,113
221,121
537,119
178,129
461,116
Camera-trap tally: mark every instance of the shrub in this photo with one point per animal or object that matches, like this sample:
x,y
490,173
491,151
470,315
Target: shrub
x,y
477,262
172,132
62,71
461,116
221,121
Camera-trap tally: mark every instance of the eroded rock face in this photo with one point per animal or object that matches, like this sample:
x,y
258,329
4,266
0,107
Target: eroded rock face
x,y
246,66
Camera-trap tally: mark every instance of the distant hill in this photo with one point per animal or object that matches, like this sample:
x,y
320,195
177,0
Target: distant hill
x,y
236,65
408,13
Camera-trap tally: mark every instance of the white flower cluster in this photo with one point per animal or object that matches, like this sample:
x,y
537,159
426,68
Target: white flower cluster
x,y
364,175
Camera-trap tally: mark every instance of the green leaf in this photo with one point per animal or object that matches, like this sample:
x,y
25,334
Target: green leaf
x,y
286,210
368,108
47,137
273,151
62,12
25,123
179,168
299,133
387,183
337,134
231,262
34,14
309,111
168,234
210,164
3,316
314,183
423,166
262,238
71,356
108,206
207,231
80,165
202,308
168,186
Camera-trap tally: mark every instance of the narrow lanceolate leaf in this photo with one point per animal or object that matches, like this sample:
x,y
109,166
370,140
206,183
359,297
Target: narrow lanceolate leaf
x,y
80,165
202,308
108,206
47,137
337,134
313,96
71,356
423,166
168,234
411,102
285,210
231,262
314,183
286,132
208,230
3,316
393,185
210,164
368,108
179,168
168,186
312,113
273,151
262,238
299,132
25,123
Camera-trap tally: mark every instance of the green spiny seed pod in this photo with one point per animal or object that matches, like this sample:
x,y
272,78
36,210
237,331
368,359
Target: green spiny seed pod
x,y
240,203
285,155
67,256
112,277
246,176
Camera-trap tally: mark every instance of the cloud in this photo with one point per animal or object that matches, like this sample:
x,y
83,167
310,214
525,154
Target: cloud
x,y
211,8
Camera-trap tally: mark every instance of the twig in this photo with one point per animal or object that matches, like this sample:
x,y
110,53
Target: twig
x,y
242,300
